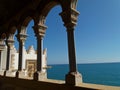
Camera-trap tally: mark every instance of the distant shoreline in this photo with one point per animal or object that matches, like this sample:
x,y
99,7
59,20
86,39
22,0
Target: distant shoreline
x,y
88,63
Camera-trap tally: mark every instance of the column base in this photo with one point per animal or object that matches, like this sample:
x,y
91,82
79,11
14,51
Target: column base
x,y
9,73
2,72
73,78
40,76
20,74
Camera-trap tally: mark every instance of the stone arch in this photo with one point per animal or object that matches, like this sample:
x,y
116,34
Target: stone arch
x,y
3,36
47,6
12,29
26,17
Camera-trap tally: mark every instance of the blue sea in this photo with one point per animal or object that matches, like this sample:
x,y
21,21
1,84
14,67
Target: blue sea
x,y
102,73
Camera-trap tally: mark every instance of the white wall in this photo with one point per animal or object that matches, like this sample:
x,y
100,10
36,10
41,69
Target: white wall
x,y
30,54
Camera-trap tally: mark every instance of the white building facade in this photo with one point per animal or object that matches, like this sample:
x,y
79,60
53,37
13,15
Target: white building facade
x,y
29,61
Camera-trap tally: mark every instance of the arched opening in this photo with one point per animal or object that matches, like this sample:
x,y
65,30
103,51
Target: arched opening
x,y
97,39
9,54
31,51
27,47
55,42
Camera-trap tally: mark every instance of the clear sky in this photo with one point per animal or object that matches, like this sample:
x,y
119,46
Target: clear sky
x,y
97,34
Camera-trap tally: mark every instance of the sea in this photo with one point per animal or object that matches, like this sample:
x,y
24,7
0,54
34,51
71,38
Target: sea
x,y
98,73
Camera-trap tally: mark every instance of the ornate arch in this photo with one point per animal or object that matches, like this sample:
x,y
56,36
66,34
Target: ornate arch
x,y
47,6
12,26
26,17
3,36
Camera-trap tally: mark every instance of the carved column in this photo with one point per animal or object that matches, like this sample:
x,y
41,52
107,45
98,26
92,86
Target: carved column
x,y
70,18
39,30
2,47
21,36
10,45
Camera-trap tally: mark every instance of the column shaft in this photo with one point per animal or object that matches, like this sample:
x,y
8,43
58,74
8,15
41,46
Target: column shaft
x,y
71,50
39,53
20,55
69,17
0,62
8,58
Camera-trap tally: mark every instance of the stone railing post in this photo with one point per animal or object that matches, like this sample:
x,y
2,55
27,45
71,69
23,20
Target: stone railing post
x,y
39,30
21,36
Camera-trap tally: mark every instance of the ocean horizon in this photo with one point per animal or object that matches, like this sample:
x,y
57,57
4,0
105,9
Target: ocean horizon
x,y
95,73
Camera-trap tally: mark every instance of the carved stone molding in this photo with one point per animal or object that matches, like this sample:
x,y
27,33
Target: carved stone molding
x,y
39,19
21,36
2,44
42,20
40,30
23,30
10,40
39,27
74,4
70,17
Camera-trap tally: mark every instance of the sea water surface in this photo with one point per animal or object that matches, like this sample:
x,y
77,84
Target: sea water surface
x,y
101,73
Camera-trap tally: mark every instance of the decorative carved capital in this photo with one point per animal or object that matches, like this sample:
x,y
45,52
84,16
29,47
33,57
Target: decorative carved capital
x,y
74,4
40,30
22,30
39,27
10,40
70,17
2,44
40,20
21,36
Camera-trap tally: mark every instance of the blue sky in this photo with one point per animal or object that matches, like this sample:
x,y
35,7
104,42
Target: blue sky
x,y
97,34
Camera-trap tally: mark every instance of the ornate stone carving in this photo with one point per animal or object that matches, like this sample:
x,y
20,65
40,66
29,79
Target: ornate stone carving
x,y
23,30
74,15
21,36
41,20
70,17
40,30
10,40
73,4
2,44
40,27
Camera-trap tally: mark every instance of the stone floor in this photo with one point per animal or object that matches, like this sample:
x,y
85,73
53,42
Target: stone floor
x,y
12,83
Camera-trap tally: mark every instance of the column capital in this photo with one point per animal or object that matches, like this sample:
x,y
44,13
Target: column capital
x,y
10,41
39,20
22,30
74,4
21,36
40,27
70,17
2,44
40,30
